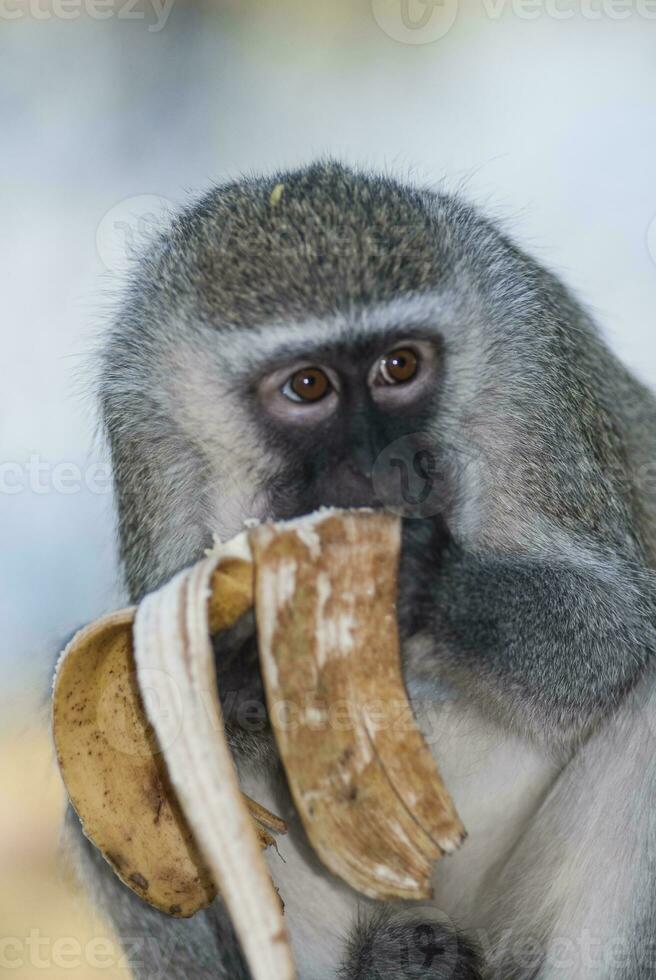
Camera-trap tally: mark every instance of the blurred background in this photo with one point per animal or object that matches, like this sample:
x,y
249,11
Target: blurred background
x,y
112,114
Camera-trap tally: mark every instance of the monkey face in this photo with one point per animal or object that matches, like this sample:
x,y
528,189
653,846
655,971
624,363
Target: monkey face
x,y
275,355
334,412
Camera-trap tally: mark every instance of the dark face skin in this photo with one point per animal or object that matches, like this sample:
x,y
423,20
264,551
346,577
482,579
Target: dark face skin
x,y
334,414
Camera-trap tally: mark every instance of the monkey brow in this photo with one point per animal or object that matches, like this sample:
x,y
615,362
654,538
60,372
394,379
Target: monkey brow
x,y
361,331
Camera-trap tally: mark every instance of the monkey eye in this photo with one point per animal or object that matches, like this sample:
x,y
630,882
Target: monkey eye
x,y
398,366
307,385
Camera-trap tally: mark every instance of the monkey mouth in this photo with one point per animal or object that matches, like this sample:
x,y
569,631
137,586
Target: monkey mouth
x,y
241,689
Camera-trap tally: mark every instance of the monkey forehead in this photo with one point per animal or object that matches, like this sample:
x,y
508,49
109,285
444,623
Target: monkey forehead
x,y
311,242
361,333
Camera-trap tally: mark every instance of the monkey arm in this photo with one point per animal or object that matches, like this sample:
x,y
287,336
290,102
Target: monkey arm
x,y
555,642
587,861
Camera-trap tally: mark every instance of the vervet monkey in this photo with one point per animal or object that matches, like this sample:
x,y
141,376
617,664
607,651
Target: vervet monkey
x,y
273,344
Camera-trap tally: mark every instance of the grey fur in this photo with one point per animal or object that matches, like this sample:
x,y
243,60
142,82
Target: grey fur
x,y
529,600
401,945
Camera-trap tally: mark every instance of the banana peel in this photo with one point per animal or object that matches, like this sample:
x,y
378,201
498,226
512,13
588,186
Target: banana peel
x,y
152,780
363,780
115,774
141,746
